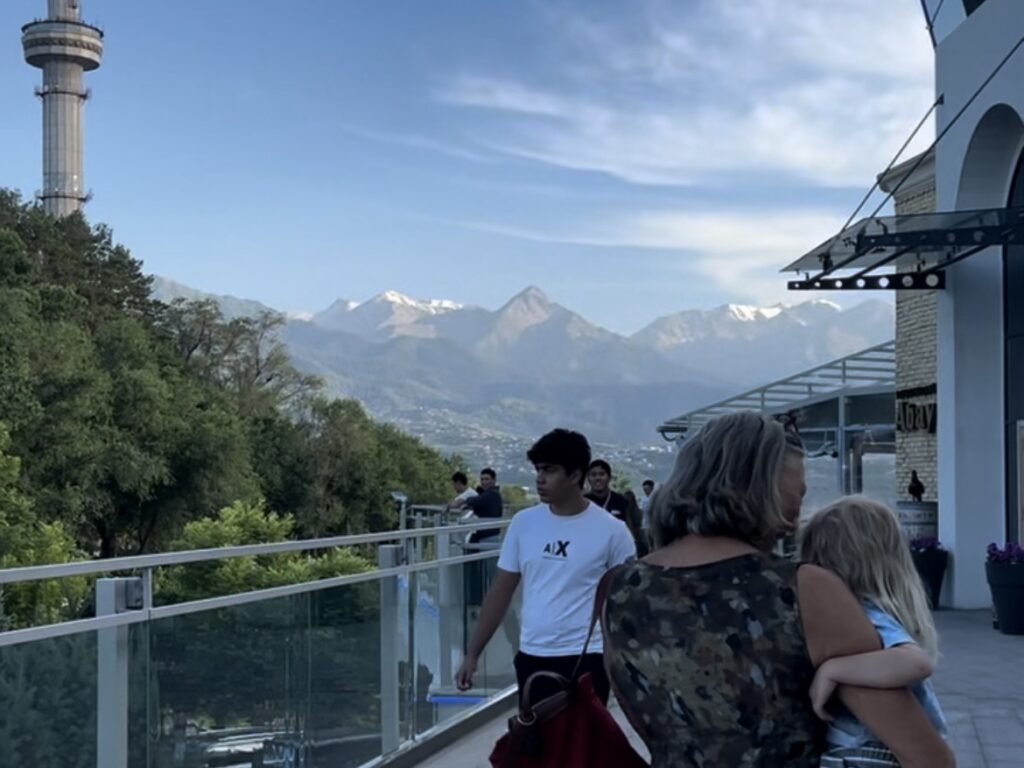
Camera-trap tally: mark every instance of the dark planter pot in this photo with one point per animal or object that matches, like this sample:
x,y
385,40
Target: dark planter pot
x,y
1006,580
931,565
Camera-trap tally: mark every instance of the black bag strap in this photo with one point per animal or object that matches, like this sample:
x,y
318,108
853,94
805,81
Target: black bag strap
x,y
599,600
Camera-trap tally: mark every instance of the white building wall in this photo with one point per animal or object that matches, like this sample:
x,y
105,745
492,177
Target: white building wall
x,y
970,311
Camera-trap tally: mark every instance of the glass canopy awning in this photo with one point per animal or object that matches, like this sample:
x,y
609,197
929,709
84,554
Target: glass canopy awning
x,y
863,375
909,252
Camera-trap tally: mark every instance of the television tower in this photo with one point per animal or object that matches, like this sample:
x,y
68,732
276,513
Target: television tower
x,y
64,47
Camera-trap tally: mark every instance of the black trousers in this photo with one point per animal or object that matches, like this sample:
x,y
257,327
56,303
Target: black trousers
x,y
526,665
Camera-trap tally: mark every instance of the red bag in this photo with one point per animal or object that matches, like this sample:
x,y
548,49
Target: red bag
x,y
570,729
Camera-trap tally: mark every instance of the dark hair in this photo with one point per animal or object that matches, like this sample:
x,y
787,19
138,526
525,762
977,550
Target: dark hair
x,y
489,472
600,464
460,477
645,483
562,448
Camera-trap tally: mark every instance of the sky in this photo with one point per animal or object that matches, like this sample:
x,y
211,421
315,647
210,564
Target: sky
x,y
631,159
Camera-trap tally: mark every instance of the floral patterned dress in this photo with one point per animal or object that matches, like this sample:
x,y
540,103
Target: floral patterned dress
x,y
710,663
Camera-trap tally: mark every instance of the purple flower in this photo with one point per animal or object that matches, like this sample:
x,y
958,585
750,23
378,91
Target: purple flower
x,y
1011,553
925,544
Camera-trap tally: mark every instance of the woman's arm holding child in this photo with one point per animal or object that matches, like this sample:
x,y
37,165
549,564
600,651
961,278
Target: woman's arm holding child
x,y
898,667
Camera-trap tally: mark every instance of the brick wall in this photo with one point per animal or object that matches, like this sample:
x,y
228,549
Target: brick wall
x,y
916,364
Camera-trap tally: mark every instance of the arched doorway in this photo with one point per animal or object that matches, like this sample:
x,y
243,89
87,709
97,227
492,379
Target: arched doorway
x,y
1013,366
991,177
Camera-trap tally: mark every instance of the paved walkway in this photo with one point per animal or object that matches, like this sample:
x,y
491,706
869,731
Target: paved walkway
x,y
980,681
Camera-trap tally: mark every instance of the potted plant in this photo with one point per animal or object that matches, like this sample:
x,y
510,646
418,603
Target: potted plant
x,y
930,558
1005,571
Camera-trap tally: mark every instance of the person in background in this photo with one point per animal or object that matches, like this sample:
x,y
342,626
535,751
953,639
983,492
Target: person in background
x,y
485,504
462,490
645,502
861,542
600,478
558,550
645,510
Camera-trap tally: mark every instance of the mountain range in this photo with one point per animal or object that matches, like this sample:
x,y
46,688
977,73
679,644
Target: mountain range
x,y
445,371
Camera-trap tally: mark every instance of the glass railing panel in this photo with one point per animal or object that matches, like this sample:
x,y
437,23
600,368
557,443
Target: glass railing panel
x,y
496,670
445,608
226,686
48,694
347,646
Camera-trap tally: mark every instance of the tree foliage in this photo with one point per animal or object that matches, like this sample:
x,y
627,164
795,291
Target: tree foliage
x,y
237,525
129,420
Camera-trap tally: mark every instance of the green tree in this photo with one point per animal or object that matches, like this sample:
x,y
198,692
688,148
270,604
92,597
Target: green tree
x,y
132,418
24,540
237,525
119,442
243,356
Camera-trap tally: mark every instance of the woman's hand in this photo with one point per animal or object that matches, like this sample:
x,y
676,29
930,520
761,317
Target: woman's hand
x,y
822,688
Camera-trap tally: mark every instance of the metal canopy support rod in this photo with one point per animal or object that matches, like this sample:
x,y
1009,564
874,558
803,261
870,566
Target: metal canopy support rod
x,y
908,281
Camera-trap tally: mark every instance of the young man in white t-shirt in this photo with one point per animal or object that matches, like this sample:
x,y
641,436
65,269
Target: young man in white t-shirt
x,y
559,550
462,490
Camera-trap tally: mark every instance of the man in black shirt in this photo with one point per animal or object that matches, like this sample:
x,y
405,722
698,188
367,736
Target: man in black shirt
x,y
488,503
601,493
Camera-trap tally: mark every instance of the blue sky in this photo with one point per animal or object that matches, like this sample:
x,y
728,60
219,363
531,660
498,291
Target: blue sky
x,y
632,159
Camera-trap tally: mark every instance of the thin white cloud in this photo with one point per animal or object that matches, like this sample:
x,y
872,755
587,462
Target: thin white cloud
x,y
821,92
739,252
415,141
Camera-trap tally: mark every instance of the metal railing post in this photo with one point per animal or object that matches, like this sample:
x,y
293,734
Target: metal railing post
x,y
841,446
113,596
449,593
389,556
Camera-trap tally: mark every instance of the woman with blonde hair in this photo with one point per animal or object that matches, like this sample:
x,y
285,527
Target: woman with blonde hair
x,y
861,541
711,641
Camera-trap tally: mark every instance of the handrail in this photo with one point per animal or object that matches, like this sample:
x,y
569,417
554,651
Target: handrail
x,y
77,626
136,562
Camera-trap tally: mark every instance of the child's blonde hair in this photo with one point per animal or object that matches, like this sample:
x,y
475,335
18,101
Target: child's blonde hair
x,y
861,541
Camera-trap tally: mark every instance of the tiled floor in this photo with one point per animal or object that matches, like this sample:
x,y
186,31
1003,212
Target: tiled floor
x,y
980,681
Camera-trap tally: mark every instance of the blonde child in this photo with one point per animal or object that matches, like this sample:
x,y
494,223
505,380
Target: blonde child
x,y
861,541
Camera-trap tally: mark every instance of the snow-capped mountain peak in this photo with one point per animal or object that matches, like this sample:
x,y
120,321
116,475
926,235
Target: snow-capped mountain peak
x,y
746,313
430,306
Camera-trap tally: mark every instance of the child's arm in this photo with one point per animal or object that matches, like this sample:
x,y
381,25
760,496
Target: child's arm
x,y
898,667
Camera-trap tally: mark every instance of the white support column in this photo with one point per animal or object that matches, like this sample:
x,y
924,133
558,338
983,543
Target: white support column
x,y
389,556
970,425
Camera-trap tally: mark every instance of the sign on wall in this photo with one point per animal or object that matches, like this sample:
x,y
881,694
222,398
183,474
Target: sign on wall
x,y
912,417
